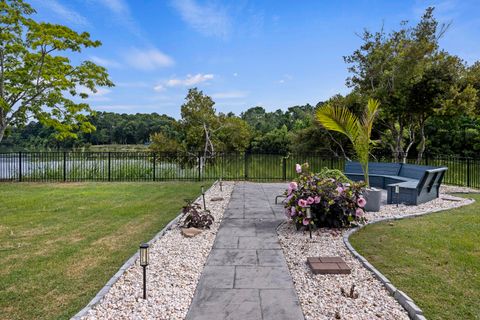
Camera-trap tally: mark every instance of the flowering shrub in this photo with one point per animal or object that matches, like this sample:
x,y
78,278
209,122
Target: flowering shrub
x,y
334,202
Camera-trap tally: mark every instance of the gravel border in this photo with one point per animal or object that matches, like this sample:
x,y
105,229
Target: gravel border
x,y
129,263
320,296
403,299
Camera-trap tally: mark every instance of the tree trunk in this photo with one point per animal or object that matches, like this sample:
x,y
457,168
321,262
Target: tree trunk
x,y
398,154
411,134
3,127
423,140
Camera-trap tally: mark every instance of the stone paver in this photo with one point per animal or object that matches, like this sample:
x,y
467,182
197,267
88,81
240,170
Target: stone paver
x,y
246,276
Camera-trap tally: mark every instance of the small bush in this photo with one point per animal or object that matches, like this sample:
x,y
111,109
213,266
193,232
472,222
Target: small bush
x,y
196,217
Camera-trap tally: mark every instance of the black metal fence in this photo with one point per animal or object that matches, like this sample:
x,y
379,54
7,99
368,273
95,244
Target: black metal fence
x,y
147,166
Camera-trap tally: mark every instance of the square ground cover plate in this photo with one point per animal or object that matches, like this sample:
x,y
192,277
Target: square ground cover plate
x,y
328,265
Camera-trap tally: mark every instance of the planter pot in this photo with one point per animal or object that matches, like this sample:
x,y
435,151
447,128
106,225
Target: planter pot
x,y
374,199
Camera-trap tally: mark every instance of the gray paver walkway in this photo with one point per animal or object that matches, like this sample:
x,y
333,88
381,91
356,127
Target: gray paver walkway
x,y
246,276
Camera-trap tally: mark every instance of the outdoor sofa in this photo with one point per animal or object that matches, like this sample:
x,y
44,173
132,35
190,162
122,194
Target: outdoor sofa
x,y
417,184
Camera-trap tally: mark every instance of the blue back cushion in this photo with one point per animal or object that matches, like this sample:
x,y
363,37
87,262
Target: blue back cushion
x,y
382,168
387,169
413,171
353,167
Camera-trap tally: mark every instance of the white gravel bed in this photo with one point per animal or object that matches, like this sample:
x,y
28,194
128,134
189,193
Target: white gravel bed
x,y
445,201
320,295
176,263
457,189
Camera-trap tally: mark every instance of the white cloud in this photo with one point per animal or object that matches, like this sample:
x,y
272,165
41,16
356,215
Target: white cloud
x,y
149,59
101,94
105,62
64,12
159,87
121,11
119,7
229,95
99,91
285,78
208,19
190,80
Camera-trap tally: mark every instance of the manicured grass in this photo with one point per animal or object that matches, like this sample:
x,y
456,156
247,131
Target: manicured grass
x,y
435,259
60,243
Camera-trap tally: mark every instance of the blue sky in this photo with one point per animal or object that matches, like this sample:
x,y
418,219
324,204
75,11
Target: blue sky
x,y
272,53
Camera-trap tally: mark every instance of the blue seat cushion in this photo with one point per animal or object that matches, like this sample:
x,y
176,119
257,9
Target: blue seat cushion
x,y
406,185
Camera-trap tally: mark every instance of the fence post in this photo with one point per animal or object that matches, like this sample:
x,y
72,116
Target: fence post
x,y
468,172
154,164
331,162
20,167
284,168
109,166
245,163
64,166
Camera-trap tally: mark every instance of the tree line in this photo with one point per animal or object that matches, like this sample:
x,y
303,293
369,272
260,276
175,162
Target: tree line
x,y
429,99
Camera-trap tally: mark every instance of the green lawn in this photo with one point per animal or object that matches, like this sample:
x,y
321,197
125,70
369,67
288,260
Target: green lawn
x,y
60,243
435,259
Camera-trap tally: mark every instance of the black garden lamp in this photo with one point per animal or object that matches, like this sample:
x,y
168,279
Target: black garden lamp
x,y
203,197
397,193
309,217
144,264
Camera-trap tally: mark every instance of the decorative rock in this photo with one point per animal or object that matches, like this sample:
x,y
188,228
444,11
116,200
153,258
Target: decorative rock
x,y
191,232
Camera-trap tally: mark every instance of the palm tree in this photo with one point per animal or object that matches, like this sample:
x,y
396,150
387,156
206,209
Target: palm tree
x,y
358,130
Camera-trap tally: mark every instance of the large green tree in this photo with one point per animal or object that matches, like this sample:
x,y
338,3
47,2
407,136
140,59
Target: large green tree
x,y
199,121
37,78
388,67
441,91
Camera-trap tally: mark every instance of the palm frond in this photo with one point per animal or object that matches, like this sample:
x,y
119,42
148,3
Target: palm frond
x,y
339,119
373,106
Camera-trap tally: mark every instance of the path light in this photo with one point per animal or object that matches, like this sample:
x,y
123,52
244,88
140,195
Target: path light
x,y
144,264
203,196
397,193
309,217
221,185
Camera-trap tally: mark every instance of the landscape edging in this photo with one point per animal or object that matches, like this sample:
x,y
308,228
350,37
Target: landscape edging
x,y
130,262
414,311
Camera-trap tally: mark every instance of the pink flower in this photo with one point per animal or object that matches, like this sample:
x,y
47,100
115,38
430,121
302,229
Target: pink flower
x,y
292,211
298,168
361,202
317,199
292,186
306,221
302,203
359,213
310,200
340,189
